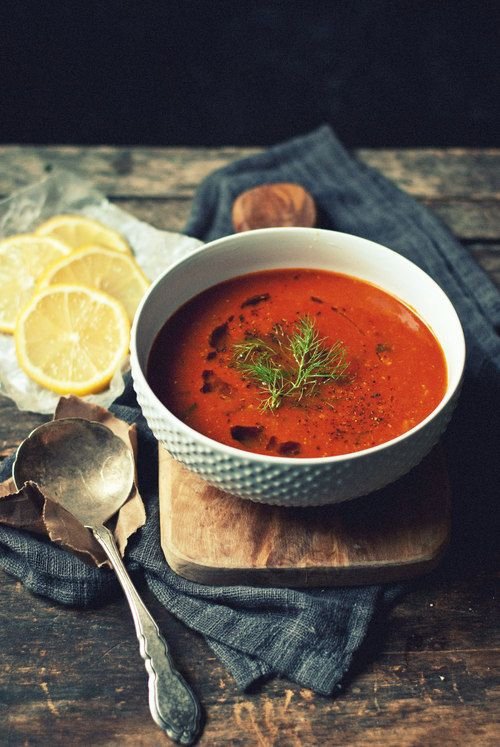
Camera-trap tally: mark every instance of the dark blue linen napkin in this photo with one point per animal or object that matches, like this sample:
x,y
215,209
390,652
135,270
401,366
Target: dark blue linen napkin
x,y
308,636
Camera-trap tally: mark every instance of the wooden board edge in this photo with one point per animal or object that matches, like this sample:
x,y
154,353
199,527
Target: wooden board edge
x,y
354,575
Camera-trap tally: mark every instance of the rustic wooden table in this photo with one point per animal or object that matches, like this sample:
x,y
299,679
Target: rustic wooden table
x,y
74,677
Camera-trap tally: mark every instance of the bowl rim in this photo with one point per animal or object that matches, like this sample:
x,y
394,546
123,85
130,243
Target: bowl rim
x,y
272,460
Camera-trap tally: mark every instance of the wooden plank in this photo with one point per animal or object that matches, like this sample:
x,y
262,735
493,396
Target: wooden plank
x,y
434,173
75,677
119,172
164,172
472,221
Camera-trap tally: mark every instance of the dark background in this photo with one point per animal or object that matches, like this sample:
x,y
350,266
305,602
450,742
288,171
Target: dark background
x,y
242,72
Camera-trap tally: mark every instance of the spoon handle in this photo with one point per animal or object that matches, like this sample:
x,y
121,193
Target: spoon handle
x,y
172,703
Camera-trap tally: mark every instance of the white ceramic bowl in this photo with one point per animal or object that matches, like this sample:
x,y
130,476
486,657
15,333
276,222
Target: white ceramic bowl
x,y
286,480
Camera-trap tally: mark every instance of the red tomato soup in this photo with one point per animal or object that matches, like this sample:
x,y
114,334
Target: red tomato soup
x,y
297,363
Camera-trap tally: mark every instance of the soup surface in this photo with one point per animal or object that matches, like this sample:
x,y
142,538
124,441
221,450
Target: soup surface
x,y
298,363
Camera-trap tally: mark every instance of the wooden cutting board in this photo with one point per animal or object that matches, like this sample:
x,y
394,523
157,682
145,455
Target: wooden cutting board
x,y
212,537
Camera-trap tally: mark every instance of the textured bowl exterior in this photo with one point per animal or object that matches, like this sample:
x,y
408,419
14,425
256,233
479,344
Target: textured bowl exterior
x,y
281,480
298,482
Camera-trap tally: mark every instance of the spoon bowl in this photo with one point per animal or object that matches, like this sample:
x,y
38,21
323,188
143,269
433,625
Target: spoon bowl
x,y
80,464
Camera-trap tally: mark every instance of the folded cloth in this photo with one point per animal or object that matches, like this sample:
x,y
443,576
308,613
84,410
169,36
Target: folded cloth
x,y
308,636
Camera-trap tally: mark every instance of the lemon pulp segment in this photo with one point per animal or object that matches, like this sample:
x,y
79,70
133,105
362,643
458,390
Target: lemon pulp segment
x,y
71,339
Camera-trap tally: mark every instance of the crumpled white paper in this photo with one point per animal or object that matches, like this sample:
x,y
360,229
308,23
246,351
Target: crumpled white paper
x,y
64,192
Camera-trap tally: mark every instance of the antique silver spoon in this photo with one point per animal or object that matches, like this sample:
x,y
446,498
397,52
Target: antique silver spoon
x,y
89,471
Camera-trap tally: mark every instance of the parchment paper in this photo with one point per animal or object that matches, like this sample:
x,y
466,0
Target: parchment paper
x,y
64,192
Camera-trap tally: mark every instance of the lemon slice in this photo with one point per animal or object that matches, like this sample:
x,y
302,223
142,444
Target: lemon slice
x,y
23,258
115,273
78,230
71,339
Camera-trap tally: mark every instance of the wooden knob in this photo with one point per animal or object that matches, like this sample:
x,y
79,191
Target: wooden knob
x,y
280,204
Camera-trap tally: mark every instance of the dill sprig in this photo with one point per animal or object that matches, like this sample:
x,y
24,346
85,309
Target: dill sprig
x,y
290,365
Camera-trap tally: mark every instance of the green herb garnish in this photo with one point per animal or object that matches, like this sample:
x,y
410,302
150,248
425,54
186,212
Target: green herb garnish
x,y
290,365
